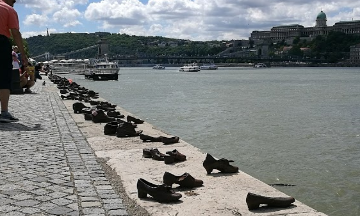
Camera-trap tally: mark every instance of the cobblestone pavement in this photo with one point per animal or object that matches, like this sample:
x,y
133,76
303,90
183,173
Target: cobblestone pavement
x,y
47,166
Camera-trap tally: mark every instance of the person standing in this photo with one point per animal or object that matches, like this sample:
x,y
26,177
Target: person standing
x,y
9,22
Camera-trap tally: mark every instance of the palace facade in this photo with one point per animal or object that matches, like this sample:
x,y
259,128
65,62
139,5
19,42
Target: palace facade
x,y
290,32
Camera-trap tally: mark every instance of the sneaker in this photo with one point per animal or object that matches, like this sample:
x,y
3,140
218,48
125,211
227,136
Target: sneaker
x,y
8,118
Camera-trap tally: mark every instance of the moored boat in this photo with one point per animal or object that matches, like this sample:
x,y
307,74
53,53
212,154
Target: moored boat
x,y
103,70
159,67
190,68
208,67
260,65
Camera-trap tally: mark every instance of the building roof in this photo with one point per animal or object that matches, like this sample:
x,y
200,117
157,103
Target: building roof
x,y
321,16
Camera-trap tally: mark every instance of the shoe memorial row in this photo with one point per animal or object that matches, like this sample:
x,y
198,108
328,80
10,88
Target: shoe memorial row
x,y
105,112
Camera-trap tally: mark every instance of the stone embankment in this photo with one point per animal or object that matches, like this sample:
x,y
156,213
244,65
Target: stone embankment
x,y
56,163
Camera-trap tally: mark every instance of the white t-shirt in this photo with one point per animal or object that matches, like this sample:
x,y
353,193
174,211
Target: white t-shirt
x,y
15,61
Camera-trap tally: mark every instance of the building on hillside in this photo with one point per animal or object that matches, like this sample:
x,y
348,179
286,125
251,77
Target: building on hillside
x,y
355,54
290,32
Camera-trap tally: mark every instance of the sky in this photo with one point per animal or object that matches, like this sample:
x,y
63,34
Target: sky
x,y
197,20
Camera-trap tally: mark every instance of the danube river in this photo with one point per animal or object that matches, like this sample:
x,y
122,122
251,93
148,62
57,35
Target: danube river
x,y
297,126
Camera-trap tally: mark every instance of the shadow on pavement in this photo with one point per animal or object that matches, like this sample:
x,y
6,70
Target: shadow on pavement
x,y
19,127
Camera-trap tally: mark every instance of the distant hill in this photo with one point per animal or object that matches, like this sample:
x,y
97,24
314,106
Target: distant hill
x,y
120,45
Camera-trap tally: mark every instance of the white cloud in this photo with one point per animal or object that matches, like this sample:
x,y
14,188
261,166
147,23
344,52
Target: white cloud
x,y
67,17
36,19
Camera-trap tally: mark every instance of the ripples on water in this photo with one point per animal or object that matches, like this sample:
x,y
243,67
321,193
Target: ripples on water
x,y
281,125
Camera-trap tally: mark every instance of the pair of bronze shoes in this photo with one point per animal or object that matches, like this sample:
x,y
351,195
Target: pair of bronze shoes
x,y
153,153
168,158
165,140
223,165
185,180
173,157
161,193
254,201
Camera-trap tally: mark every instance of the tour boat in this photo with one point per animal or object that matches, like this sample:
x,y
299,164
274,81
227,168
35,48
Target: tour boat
x,y
103,70
159,67
190,68
208,67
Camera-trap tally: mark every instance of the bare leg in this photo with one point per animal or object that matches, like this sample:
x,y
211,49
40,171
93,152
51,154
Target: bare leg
x,y
4,97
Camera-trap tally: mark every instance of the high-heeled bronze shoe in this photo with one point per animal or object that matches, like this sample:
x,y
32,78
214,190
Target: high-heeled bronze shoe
x,y
253,201
184,180
222,165
161,193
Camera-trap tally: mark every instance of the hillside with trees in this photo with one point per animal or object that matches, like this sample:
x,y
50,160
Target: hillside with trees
x,y
121,45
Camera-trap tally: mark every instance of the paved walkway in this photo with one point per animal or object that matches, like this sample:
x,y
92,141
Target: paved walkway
x,y
47,166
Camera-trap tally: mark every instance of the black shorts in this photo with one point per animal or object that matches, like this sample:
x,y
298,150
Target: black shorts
x,y
5,63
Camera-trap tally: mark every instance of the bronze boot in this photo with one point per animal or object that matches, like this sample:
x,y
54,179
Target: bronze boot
x,y
223,165
253,201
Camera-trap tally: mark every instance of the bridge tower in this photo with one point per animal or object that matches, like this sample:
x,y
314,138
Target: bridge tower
x,y
103,47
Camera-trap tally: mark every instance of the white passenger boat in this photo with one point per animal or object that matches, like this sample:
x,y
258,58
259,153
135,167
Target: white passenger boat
x,y
208,67
190,68
103,70
260,65
159,67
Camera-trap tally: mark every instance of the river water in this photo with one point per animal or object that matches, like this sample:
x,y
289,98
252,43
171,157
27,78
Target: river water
x,y
296,126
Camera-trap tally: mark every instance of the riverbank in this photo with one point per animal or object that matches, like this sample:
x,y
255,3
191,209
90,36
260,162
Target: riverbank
x,y
222,194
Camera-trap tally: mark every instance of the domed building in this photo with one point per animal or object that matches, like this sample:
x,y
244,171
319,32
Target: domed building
x,y
290,32
321,20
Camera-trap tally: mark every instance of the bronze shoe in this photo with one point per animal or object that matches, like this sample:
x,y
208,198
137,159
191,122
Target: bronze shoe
x,y
147,153
177,155
156,154
170,140
135,120
222,165
126,129
184,180
253,201
110,128
115,114
147,138
168,159
78,107
161,193
98,116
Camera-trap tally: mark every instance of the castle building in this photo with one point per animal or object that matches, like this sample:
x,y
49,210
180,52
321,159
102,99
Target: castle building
x,y
290,32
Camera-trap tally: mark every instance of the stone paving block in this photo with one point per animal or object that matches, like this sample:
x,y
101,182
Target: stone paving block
x,y
59,210
15,213
118,212
30,210
88,211
26,203
8,208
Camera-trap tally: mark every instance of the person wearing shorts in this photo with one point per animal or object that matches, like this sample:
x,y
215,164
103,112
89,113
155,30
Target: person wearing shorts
x,y
9,22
